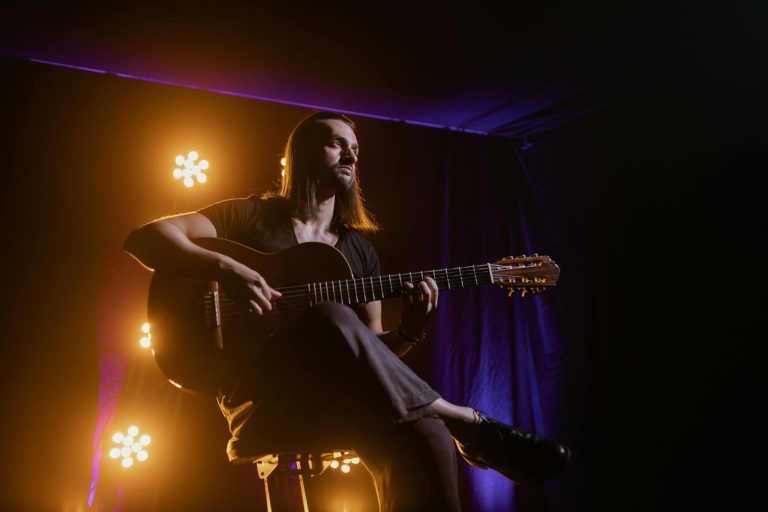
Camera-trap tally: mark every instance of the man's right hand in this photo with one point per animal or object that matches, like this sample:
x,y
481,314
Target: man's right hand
x,y
247,288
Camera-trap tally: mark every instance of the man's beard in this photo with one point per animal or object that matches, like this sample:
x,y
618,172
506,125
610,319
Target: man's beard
x,y
337,181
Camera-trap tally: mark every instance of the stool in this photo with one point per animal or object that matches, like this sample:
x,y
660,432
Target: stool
x,y
288,476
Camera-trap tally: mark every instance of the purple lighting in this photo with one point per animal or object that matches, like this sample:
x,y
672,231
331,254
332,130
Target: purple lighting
x,y
262,98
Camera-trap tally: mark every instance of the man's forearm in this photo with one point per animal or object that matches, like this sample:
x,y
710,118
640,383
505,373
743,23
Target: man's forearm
x,y
163,246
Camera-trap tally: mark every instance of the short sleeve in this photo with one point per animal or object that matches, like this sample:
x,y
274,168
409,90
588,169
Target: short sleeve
x,y
361,255
232,217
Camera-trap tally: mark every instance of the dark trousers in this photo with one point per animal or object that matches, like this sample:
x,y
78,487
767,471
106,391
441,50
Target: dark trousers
x,y
330,383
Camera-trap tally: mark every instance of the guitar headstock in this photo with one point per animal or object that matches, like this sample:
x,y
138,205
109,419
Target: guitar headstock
x,y
525,274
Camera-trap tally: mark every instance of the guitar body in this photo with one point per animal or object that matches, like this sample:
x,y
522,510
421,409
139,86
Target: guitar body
x,y
200,337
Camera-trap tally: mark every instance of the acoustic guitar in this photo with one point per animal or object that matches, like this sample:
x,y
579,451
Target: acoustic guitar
x,y
200,337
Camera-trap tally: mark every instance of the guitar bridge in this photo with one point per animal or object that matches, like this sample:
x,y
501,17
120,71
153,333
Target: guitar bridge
x,y
212,308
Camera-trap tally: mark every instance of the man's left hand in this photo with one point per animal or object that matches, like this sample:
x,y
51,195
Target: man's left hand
x,y
420,303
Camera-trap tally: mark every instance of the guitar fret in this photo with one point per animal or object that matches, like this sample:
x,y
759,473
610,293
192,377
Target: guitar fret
x,y
349,295
381,284
461,277
447,279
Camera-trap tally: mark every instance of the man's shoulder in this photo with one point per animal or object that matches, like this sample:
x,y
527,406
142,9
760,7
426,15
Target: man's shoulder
x,y
253,203
358,241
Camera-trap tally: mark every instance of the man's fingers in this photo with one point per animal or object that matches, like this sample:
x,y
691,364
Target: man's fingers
x,y
254,308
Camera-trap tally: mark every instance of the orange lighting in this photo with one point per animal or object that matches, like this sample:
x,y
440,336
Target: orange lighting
x,y
190,170
146,340
129,447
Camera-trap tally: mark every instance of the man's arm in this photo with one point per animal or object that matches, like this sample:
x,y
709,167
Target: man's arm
x,y
166,245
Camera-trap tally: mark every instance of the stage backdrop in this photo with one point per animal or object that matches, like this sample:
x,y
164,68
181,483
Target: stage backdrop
x,y
641,357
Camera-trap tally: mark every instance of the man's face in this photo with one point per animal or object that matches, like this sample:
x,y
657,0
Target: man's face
x,y
338,159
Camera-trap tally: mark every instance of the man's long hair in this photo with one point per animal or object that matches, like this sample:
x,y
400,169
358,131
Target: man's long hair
x,y
298,186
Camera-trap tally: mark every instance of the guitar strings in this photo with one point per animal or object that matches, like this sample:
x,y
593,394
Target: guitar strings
x,y
448,273
298,297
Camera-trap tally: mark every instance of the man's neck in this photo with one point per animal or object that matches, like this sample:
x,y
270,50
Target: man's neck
x,y
316,226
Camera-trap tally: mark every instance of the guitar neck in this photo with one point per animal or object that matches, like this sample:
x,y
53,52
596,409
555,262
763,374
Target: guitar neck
x,y
367,289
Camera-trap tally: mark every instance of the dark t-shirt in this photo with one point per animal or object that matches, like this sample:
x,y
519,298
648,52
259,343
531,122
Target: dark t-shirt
x,y
265,225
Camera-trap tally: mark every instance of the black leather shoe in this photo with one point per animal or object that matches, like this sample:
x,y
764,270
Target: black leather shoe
x,y
520,456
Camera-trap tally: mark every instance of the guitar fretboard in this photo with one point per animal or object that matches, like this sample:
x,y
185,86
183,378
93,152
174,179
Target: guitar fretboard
x,y
367,289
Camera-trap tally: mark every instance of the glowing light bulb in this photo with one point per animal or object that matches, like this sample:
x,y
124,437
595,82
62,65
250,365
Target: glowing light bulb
x,y
145,327
334,464
282,162
345,468
131,446
190,169
145,342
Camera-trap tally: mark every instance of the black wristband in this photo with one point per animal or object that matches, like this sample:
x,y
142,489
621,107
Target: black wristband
x,y
413,340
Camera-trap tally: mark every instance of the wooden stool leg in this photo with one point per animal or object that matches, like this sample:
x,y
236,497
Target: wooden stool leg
x,y
285,492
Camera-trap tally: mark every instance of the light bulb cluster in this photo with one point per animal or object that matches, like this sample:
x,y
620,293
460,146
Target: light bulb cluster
x,y
146,340
129,446
190,170
344,464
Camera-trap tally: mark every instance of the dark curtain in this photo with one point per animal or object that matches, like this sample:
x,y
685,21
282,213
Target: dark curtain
x,y
448,199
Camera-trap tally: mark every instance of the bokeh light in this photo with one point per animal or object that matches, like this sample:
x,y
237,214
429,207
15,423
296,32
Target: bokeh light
x,y
131,447
146,340
189,170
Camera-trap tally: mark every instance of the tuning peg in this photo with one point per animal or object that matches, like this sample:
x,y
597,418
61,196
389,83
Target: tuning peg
x,y
511,292
523,291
